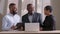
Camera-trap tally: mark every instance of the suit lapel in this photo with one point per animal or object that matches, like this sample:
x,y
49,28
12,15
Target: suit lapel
x,y
33,19
27,18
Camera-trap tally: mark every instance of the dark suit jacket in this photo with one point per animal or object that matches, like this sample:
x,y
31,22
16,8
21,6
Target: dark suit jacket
x,y
36,18
49,23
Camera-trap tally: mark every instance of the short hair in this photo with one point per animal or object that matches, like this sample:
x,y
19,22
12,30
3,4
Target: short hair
x,y
29,5
11,4
48,8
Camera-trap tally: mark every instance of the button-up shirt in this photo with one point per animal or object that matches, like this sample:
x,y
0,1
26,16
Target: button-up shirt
x,y
9,20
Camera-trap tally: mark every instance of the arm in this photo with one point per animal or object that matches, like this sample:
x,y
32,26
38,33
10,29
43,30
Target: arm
x,y
23,23
52,22
40,21
4,24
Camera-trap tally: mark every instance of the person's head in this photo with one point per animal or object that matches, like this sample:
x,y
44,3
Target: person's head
x,y
30,8
47,10
13,8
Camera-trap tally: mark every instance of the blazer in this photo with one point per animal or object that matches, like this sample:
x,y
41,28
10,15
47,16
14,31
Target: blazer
x,y
36,18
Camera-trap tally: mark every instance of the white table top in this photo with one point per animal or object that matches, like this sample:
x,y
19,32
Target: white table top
x,y
57,31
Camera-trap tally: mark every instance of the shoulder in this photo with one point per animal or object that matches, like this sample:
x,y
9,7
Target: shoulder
x,y
38,14
51,16
17,15
5,17
25,15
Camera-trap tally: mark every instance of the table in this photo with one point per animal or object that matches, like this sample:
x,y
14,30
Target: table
x,y
25,32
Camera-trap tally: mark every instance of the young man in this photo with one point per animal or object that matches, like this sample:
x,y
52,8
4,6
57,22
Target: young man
x,y
31,16
10,20
49,22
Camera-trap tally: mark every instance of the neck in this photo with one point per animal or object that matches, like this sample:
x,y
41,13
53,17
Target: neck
x,y
13,14
48,14
30,13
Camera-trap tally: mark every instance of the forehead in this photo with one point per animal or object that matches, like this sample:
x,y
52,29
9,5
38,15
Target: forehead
x,y
12,6
30,5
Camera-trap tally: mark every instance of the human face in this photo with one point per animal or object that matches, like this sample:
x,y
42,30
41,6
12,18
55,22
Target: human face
x,y
30,8
46,12
13,9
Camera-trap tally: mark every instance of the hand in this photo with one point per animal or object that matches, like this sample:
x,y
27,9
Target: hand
x,y
13,27
20,29
41,28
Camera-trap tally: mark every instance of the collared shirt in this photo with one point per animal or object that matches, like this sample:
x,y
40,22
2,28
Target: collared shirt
x,y
30,17
9,20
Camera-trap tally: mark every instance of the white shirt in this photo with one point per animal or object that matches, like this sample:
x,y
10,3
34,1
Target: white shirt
x,y
9,20
30,18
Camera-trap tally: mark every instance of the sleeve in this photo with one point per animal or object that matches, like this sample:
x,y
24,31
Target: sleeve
x,y
40,20
23,19
53,22
4,24
23,22
19,20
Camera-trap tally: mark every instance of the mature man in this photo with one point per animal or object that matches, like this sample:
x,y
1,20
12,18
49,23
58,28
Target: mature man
x,y
32,16
10,20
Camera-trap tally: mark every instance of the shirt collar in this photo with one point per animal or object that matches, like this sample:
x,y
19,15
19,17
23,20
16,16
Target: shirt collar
x,y
11,14
32,13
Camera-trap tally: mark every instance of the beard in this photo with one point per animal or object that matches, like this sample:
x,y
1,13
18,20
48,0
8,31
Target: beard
x,y
14,12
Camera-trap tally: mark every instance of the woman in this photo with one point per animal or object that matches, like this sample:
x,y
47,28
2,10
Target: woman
x,y
49,22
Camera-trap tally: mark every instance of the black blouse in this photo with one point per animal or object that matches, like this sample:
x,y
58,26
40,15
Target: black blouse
x,y
49,23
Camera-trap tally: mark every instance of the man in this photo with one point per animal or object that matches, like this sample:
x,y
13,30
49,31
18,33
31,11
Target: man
x,y
31,16
10,20
49,22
